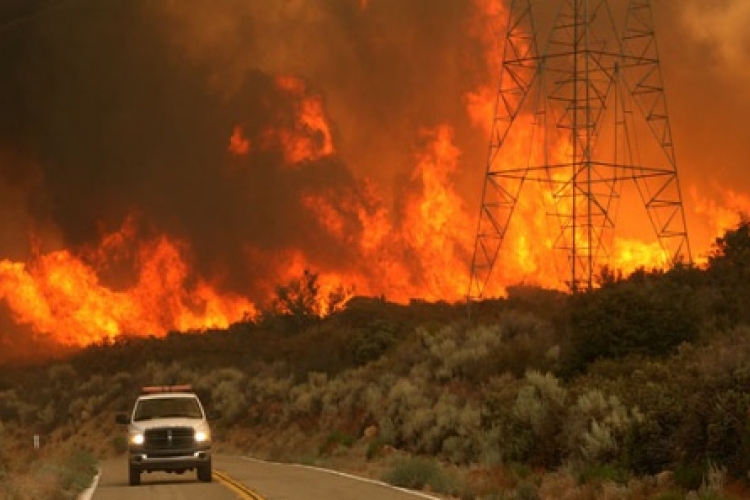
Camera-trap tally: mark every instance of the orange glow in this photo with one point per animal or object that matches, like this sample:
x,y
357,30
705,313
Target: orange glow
x,y
238,144
426,254
416,245
718,209
480,103
60,295
630,255
437,227
309,138
328,215
328,282
527,253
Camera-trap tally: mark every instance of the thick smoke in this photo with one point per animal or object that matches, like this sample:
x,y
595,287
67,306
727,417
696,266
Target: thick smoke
x,y
111,107
127,106
390,67
705,57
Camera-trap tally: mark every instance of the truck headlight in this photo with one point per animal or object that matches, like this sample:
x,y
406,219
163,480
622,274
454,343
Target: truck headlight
x,y
202,436
136,439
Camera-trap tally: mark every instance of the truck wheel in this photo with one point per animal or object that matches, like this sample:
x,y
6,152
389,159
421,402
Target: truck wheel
x,y
204,472
135,475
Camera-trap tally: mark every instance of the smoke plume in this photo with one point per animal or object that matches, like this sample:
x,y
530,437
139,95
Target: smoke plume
x,y
233,127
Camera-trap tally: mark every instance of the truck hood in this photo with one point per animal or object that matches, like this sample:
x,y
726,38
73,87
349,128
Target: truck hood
x,y
143,425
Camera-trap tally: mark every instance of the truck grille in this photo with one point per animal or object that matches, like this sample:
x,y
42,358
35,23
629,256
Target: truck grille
x,y
169,438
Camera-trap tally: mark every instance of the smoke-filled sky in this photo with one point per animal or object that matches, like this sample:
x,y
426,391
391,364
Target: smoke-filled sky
x,y
176,115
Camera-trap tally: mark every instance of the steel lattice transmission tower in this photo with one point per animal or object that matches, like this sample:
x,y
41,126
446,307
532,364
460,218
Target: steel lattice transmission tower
x,y
586,105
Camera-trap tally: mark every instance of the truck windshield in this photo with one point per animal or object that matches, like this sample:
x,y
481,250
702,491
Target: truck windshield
x,y
148,409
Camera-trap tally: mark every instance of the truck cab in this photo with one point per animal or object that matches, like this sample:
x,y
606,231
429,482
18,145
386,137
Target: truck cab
x,y
168,431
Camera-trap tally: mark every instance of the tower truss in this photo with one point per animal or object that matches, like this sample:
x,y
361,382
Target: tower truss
x,y
586,107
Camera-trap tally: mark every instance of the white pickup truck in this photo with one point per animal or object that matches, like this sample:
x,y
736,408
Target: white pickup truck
x,y
168,431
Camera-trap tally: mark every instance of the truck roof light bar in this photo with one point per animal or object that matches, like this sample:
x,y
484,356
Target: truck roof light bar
x,y
156,389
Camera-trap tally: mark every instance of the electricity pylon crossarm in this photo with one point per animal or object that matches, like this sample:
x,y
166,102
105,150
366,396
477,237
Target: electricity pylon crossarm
x,y
576,101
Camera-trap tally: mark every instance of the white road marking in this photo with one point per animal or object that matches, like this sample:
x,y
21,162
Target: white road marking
x,y
349,476
89,492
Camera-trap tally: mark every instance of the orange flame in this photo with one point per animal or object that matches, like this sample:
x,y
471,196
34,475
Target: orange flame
x,y
309,138
425,256
715,217
238,144
437,227
61,294
417,247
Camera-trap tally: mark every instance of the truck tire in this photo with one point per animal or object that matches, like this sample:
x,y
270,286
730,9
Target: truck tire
x,y
204,472
135,475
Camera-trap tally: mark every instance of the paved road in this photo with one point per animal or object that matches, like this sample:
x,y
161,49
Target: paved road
x,y
270,481
113,485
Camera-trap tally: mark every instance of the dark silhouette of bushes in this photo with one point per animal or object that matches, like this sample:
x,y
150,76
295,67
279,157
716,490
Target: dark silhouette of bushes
x,y
371,342
728,274
647,316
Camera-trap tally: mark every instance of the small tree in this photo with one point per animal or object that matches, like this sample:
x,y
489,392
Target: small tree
x,y
730,258
300,303
729,272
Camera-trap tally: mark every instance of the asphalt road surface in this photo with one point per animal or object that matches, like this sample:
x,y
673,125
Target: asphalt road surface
x,y
263,481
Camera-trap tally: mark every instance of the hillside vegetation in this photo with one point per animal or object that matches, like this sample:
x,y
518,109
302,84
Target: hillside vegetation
x,y
639,389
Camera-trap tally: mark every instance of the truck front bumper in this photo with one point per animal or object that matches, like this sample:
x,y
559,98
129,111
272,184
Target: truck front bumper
x,y
144,460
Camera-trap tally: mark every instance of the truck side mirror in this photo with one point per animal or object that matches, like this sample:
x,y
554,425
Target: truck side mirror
x,y
213,415
122,418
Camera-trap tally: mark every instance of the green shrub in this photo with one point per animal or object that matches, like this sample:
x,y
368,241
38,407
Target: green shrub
x,y
334,440
669,495
529,428
375,448
416,473
77,472
597,427
689,477
644,316
225,392
603,473
371,342
712,495
527,491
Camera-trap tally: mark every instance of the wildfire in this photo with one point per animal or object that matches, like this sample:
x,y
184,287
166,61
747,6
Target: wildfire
x,y
60,294
537,232
238,144
718,217
424,255
309,137
437,227
414,242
